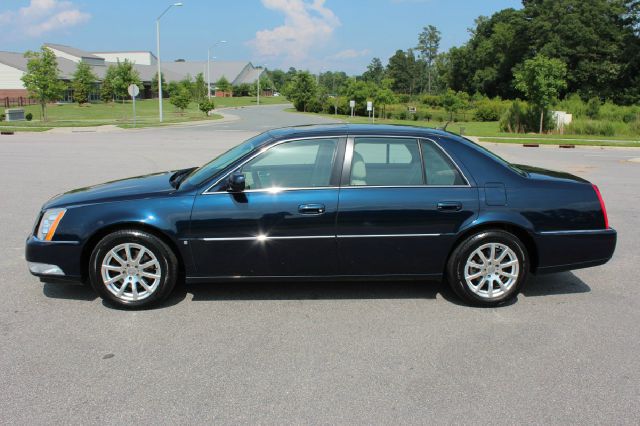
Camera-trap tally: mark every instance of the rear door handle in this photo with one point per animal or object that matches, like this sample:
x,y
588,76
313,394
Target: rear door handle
x,y
311,208
450,206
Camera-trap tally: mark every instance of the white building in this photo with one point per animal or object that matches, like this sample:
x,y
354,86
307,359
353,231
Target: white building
x,y
13,66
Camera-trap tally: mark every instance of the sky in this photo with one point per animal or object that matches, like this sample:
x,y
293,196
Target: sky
x,y
317,35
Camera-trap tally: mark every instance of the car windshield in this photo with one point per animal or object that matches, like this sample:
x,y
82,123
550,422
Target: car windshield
x,y
222,161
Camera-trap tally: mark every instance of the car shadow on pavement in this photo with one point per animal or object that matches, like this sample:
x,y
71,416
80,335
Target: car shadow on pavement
x,y
554,284
543,285
313,290
69,291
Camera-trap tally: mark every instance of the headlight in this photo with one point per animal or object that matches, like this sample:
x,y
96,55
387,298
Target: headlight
x,y
49,223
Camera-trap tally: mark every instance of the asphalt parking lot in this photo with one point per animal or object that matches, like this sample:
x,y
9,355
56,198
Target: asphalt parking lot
x,y
382,353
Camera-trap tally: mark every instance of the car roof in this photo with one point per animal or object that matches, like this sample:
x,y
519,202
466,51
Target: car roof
x,y
338,129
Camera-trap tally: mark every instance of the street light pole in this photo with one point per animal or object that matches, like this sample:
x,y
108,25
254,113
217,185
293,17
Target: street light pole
x,y
158,57
209,67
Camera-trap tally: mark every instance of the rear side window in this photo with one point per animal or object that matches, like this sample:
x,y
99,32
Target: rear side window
x,y
438,167
386,162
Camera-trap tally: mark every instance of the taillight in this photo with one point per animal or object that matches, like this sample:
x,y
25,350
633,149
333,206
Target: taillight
x,y
604,209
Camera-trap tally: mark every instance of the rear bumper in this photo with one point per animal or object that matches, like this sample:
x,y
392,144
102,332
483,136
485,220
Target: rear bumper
x,y
567,250
54,260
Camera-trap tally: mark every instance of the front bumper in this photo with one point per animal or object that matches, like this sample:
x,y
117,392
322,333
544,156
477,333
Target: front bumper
x,y
54,260
567,250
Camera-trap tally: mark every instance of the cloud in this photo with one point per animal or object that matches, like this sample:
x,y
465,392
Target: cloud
x,y
307,25
350,54
41,17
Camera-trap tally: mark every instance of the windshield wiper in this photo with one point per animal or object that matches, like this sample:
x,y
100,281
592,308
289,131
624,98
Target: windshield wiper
x,y
177,178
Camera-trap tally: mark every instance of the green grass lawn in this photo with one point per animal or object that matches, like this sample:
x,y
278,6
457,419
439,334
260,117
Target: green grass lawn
x,y
490,132
121,114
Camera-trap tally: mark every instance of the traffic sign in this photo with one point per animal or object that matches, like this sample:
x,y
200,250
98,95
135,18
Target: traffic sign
x,y
133,90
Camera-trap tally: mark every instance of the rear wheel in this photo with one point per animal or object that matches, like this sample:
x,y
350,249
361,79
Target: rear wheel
x,y
488,268
133,269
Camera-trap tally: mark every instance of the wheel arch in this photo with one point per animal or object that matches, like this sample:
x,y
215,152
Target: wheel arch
x,y
93,240
520,232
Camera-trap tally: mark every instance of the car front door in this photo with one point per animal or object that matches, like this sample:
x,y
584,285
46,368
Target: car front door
x,y
401,202
282,224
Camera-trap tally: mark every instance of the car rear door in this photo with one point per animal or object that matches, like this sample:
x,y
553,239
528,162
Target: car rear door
x,y
283,224
401,202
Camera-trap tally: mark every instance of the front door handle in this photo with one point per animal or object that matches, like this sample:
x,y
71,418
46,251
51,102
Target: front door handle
x,y
311,208
450,206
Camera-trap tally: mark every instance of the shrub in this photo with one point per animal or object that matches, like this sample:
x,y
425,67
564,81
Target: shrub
x,y
206,106
428,115
2,117
404,99
181,99
521,118
593,108
591,127
489,110
631,117
29,116
402,115
432,100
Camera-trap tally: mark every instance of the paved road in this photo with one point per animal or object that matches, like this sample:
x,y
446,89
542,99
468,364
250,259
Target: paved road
x,y
565,352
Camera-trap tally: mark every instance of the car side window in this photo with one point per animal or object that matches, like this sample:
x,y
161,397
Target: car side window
x,y
296,164
438,167
386,162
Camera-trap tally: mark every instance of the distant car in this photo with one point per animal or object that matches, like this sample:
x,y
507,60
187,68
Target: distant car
x,y
326,202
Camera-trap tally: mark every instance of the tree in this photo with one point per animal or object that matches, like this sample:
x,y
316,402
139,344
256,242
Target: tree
x,y
107,92
223,85
302,90
428,45
181,99
42,78
384,96
454,102
83,82
540,79
122,76
361,92
199,88
374,72
154,85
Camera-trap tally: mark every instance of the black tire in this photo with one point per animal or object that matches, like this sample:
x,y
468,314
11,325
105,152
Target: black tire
x,y
166,259
458,260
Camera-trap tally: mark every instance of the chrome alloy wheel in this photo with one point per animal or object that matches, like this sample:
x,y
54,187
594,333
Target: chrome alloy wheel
x,y
491,270
131,272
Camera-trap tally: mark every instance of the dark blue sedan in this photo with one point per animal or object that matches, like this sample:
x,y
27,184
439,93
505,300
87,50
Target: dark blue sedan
x,y
326,202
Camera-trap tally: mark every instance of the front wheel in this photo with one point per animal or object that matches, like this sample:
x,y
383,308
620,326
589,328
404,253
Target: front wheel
x,y
133,269
488,268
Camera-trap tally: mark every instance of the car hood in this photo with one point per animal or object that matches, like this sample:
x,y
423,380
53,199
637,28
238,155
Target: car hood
x,y
131,188
544,174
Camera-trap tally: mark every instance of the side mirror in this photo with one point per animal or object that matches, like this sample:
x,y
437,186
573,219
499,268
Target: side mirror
x,y
236,182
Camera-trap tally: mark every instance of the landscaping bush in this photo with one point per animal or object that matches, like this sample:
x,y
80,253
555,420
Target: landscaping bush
x,y
206,106
593,108
402,115
29,116
490,110
521,118
631,117
2,117
591,127
432,100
